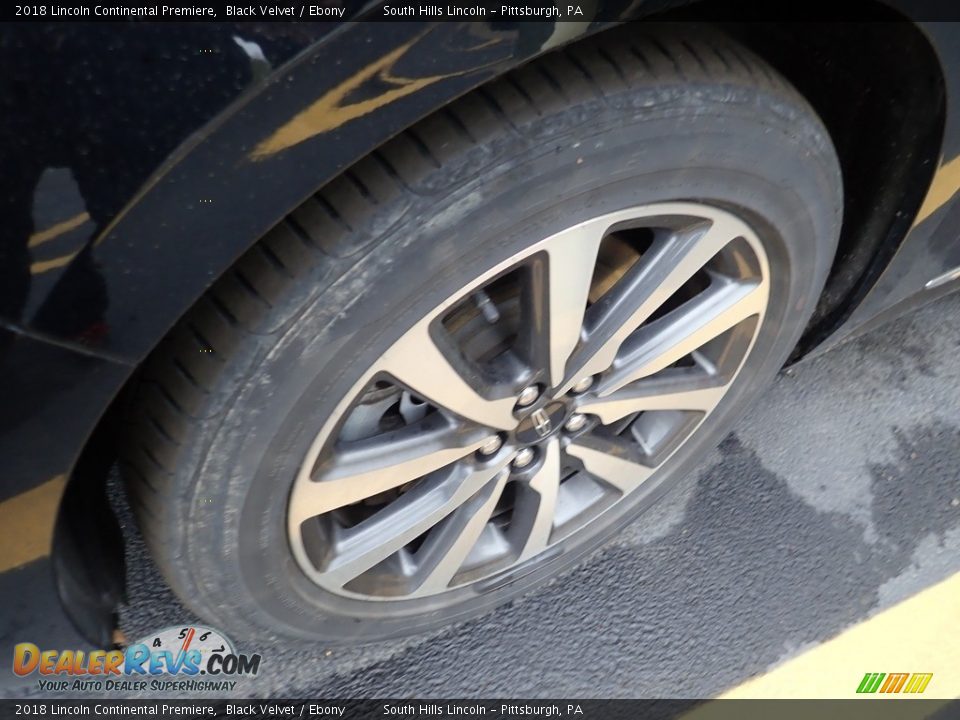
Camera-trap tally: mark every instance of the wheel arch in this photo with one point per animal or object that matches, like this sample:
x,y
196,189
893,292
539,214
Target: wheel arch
x,y
884,104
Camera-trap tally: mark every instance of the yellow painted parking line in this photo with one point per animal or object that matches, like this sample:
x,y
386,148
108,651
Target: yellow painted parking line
x,y
918,635
26,523
945,184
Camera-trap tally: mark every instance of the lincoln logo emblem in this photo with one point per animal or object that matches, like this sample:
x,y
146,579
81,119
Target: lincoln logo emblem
x,y
541,422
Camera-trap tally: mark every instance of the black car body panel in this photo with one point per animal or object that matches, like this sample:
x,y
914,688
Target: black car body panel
x,y
140,162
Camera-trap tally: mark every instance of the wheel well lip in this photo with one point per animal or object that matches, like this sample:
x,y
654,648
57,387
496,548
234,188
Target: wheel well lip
x,y
867,305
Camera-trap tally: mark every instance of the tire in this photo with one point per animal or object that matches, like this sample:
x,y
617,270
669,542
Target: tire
x,y
230,404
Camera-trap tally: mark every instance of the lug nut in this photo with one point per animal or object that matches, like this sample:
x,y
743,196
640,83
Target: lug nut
x,y
528,396
491,445
524,458
575,422
582,385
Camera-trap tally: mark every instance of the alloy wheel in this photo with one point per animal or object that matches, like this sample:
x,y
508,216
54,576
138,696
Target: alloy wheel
x,y
521,408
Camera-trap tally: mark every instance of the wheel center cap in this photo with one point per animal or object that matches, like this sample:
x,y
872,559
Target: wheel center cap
x,y
541,423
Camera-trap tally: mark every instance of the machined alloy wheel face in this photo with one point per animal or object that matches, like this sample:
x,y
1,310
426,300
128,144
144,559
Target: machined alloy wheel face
x,y
546,391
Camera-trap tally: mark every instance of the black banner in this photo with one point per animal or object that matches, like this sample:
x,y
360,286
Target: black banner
x,y
582,11
320,709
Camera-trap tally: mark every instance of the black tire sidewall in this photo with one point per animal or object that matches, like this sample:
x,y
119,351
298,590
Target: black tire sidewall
x,y
767,162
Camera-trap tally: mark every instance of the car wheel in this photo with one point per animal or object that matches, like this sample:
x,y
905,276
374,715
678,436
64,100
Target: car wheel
x,y
482,350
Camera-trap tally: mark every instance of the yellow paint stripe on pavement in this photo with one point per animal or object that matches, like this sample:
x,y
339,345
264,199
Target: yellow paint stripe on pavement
x,y
26,523
945,183
918,635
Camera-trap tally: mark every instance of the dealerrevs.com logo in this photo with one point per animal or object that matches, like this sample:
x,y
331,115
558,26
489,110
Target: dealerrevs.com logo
x,y
176,659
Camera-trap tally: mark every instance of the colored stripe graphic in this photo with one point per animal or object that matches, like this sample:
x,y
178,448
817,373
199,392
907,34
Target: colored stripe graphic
x,y
870,682
918,682
894,682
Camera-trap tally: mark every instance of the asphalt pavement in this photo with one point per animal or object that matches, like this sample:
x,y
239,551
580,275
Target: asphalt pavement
x,y
835,498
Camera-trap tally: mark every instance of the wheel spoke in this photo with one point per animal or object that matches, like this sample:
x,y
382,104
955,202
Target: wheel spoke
x,y
711,313
418,362
545,484
619,405
624,475
369,467
360,548
663,270
454,541
572,256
